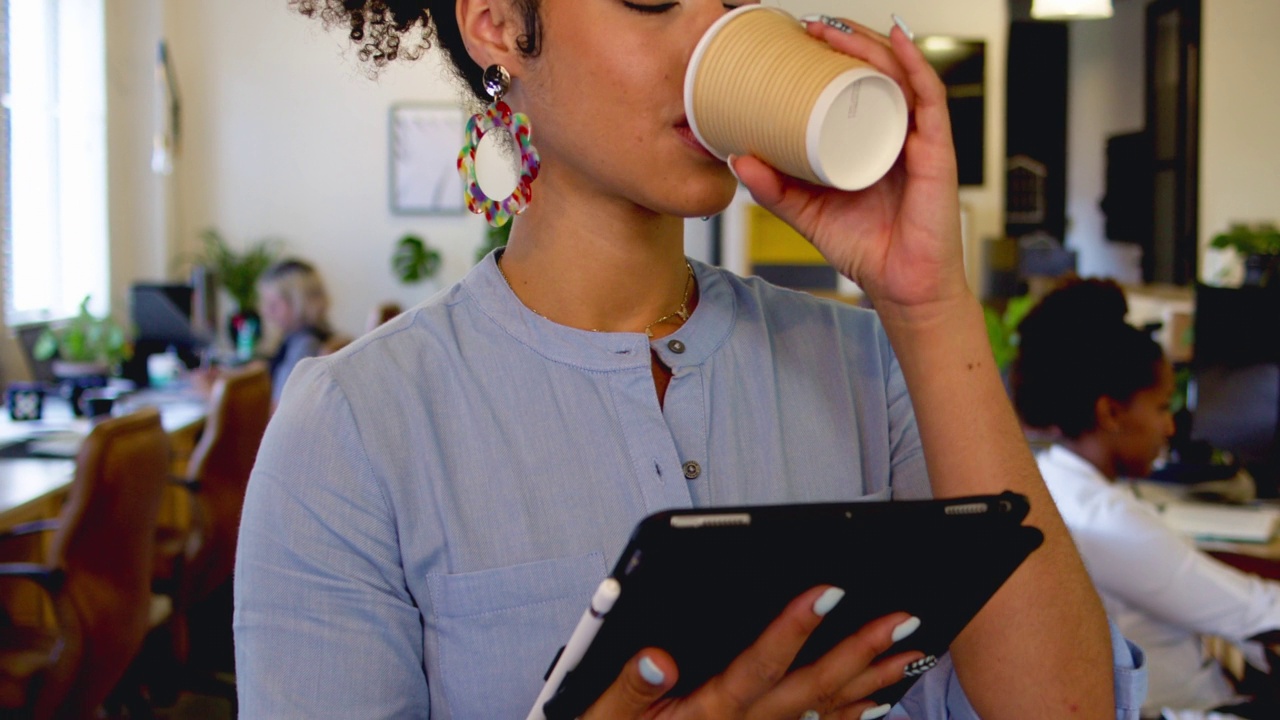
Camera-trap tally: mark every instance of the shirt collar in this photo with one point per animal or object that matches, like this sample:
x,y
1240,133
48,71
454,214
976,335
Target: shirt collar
x,y
1065,459
692,344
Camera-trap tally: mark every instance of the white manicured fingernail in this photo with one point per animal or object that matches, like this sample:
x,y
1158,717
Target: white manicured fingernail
x,y
815,17
731,170
650,671
827,601
905,628
903,27
838,24
878,711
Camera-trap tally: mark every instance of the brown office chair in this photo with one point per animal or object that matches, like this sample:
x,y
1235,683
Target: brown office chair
x,y
382,313
218,471
336,342
97,576
195,559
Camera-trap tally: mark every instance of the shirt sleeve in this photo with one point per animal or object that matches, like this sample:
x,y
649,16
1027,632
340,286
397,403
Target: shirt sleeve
x,y
1134,556
910,474
939,696
325,626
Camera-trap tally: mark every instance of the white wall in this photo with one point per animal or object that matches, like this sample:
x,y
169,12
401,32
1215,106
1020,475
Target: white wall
x,y
1106,76
137,198
1240,105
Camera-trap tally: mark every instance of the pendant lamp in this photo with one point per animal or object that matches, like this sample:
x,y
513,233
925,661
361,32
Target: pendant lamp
x,y
1070,9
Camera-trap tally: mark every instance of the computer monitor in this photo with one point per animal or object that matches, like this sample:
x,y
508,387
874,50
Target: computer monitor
x,y
163,318
1237,326
1235,398
41,370
162,314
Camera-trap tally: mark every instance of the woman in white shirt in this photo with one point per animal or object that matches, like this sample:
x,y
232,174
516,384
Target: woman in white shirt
x,y
1103,389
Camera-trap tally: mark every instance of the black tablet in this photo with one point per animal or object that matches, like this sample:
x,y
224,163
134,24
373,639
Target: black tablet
x,y
939,560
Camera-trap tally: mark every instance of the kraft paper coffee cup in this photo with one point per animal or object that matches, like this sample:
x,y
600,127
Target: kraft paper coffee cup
x,y
759,84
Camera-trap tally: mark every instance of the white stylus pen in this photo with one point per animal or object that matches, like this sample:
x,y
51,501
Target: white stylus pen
x,y
588,625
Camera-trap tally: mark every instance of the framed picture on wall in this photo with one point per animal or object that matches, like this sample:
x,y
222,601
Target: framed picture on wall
x,y
424,144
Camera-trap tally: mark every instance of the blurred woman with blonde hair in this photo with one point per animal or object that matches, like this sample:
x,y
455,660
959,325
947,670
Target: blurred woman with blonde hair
x,y
295,308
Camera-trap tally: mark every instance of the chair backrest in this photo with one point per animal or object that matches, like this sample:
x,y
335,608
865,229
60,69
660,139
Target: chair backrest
x,y
382,313
104,547
239,408
336,342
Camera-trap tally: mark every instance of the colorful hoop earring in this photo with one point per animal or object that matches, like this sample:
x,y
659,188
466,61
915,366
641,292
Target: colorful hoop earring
x,y
498,114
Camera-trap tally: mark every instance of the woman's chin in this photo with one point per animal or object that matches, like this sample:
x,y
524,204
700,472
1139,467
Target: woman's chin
x,y
709,198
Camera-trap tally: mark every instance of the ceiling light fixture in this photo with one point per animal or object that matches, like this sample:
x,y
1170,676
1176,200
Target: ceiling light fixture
x,y
1070,9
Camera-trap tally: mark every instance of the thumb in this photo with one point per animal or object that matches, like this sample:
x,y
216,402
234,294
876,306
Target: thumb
x,y
640,685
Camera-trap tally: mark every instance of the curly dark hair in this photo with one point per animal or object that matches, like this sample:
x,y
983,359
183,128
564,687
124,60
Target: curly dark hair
x,y
388,30
1074,348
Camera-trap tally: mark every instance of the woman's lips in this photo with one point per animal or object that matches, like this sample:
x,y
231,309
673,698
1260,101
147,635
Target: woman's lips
x,y
686,133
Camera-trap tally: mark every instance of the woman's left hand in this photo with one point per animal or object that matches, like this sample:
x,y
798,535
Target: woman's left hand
x,y
900,238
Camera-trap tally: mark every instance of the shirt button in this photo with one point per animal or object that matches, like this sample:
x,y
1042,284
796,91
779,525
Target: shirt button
x,y
675,346
692,470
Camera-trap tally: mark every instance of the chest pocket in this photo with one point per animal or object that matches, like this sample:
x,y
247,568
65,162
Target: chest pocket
x,y
496,631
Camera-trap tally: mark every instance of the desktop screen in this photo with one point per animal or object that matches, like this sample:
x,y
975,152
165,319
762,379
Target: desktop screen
x,y
1236,370
163,318
162,314
41,370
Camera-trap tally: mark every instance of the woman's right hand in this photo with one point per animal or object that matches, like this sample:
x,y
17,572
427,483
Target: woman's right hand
x,y
757,686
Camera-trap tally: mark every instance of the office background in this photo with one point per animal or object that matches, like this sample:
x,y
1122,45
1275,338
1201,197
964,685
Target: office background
x,y
284,135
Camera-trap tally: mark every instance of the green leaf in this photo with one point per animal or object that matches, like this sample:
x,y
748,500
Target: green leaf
x,y
1002,328
84,338
1260,239
46,346
1016,311
413,260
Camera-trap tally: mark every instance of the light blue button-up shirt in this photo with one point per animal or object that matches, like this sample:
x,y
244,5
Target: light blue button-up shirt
x,y
433,506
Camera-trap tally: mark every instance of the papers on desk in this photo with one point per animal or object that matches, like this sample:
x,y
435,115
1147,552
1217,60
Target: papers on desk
x,y
1203,521
60,444
1211,521
63,444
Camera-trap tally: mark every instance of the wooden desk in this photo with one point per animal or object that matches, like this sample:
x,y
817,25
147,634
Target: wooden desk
x,y
32,488
1257,558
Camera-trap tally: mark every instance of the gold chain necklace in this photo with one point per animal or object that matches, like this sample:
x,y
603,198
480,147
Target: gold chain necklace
x,y
682,312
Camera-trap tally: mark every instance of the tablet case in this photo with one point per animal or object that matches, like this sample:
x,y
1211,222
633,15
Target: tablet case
x,y
703,584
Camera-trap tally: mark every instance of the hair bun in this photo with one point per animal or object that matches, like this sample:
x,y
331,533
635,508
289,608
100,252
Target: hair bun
x,y
1092,307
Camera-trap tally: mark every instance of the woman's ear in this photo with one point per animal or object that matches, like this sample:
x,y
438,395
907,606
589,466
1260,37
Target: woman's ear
x,y
1106,412
490,30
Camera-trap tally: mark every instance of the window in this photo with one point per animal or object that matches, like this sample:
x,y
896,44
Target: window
x,y
53,140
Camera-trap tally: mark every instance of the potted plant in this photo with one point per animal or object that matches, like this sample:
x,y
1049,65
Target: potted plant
x,y
85,345
238,273
1258,246
1002,329
85,350
413,260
